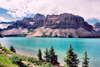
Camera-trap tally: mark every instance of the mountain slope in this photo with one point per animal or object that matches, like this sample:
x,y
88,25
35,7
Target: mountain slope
x,y
68,32
38,17
66,21
29,23
96,27
63,25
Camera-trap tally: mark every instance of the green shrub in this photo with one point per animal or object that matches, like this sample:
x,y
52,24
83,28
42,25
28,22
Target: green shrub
x,y
0,47
16,59
24,58
5,62
47,65
33,60
4,49
66,65
1,52
43,65
7,50
12,49
25,65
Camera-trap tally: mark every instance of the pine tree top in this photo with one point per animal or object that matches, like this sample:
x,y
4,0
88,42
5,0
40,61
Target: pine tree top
x,y
86,60
71,58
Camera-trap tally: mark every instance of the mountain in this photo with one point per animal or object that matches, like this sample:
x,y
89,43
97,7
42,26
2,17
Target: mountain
x,y
96,27
1,29
66,20
38,17
63,25
29,23
22,26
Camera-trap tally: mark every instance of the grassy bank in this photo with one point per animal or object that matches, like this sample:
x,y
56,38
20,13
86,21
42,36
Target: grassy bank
x,y
11,59
5,62
7,58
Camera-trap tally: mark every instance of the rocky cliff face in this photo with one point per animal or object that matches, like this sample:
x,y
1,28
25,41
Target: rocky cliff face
x,y
63,25
66,20
25,23
29,23
38,17
96,25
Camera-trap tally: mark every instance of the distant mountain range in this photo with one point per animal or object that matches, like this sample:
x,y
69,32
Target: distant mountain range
x,y
63,25
6,22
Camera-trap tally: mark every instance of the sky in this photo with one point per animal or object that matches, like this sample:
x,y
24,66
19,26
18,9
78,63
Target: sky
x,y
12,10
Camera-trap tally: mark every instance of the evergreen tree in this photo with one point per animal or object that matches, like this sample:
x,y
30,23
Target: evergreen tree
x,y
39,54
71,58
12,49
53,57
85,58
46,55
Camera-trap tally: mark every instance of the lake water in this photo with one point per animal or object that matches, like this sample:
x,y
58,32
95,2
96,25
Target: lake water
x,y
30,46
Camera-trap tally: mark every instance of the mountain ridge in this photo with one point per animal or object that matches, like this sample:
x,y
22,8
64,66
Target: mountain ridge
x,y
63,25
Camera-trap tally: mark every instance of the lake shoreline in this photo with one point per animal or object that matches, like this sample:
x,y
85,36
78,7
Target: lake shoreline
x,y
55,37
29,46
23,53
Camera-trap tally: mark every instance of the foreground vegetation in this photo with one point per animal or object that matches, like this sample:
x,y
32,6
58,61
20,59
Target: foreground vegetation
x,y
70,59
9,58
5,62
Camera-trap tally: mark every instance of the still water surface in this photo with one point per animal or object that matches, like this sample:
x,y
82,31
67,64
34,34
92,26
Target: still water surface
x,y
30,46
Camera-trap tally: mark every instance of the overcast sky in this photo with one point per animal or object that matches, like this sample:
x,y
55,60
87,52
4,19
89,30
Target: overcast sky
x,y
11,10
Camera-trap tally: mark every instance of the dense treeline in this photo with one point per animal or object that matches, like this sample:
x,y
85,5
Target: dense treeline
x,y
49,56
70,59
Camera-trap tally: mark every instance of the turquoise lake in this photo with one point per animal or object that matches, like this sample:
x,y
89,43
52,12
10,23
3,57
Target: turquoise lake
x,y
29,46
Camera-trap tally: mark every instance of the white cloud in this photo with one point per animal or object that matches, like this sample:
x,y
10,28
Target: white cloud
x,y
85,8
2,26
3,19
